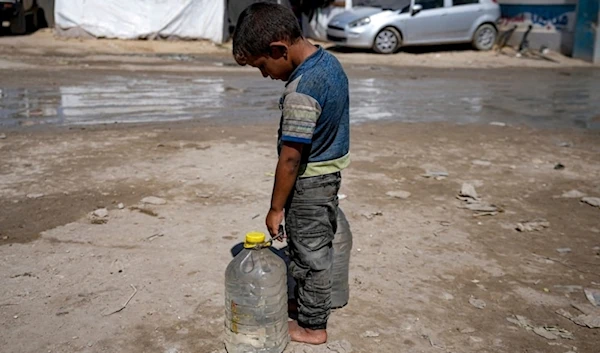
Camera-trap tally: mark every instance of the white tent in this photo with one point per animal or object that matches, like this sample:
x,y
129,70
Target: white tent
x,y
133,19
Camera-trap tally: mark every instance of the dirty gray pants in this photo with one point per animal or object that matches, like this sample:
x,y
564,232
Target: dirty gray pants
x,y
310,222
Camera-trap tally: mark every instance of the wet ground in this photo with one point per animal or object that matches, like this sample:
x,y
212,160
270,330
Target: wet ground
x,y
417,266
563,98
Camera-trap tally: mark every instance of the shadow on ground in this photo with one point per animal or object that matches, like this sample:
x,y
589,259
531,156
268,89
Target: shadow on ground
x,y
425,49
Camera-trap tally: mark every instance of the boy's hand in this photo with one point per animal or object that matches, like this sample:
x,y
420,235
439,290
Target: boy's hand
x,y
273,221
285,178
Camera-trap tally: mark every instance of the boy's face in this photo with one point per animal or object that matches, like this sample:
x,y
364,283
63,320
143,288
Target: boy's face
x,y
276,65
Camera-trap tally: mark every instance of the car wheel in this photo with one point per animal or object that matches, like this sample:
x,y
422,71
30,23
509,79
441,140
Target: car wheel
x,y
18,24
485,37
387,41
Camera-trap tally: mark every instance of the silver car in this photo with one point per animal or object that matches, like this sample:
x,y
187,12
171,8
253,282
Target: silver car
x,y
417,22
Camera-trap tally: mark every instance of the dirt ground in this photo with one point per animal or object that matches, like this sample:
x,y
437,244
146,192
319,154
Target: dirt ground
x,y
426,275
63,52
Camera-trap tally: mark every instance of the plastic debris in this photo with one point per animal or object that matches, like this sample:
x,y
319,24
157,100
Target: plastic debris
x,y
563,250
559,166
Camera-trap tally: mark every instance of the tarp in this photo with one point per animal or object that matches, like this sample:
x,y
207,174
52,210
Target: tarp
x,y
151,19
316,27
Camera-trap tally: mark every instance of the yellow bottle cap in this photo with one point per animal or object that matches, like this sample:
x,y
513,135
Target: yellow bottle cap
x,y
253,239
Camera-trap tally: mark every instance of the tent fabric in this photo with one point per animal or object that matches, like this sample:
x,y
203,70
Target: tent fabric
x,y
316,26
149,19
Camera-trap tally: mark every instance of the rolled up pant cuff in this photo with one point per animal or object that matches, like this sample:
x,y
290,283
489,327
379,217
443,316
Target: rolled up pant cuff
x,y
313,326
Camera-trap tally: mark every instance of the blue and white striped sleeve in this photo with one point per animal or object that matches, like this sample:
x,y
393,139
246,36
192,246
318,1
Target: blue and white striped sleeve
x,y
300,115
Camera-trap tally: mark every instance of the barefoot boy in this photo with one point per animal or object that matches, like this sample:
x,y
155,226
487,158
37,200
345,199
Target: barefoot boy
x,y
313,147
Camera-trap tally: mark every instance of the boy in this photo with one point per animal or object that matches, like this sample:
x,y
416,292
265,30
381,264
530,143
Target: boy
x,y
313,148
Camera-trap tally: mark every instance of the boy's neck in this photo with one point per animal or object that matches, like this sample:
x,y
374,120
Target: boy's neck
x,y
300,51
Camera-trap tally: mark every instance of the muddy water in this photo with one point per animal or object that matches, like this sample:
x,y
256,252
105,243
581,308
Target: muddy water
x,y
539,98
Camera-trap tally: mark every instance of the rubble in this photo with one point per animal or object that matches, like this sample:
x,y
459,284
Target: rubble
x,y
533,226
371,215
548,332
35,196
472,202
99,216
593,295
592,201
478,303
590,317
573,194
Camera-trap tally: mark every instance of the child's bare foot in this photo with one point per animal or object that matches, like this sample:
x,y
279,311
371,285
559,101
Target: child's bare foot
x,y
305,335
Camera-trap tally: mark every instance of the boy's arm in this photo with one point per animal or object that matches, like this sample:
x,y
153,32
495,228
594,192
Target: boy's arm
x,y
285,178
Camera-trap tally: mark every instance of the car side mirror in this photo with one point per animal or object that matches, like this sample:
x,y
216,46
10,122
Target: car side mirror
x,y
416,9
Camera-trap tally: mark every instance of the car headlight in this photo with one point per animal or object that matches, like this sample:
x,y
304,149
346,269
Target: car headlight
x,y
361,22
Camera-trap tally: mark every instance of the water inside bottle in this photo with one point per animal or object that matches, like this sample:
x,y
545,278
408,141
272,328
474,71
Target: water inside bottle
x,y
256,302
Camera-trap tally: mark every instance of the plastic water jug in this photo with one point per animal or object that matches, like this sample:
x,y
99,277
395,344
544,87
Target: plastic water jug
x,y
256,299
342,245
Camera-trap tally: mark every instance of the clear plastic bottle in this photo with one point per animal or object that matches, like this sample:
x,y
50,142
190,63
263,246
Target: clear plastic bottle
x,y
256,300
342,245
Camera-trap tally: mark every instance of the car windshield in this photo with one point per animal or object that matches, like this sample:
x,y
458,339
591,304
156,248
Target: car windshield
x,y
383,4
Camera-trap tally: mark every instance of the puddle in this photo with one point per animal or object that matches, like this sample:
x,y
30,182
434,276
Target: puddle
x,y
539,99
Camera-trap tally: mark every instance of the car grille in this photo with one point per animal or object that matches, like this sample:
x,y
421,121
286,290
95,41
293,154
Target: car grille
x,y
335,38
336,27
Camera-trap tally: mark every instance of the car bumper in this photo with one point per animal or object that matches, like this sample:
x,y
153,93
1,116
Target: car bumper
x,y
360,37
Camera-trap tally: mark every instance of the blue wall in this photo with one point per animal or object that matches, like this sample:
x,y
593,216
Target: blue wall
x,y
587,38
553,22
549,17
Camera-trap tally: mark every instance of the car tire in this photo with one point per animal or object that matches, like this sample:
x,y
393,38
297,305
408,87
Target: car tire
x,y
387,41
485,37
18,24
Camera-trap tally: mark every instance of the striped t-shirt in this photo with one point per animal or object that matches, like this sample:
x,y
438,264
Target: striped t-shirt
x,y
315,112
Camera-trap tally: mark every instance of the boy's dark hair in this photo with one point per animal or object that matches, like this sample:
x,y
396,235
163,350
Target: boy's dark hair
x,y
261,24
